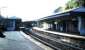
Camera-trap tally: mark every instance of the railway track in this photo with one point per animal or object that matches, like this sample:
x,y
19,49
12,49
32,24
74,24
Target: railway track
x,y
59,41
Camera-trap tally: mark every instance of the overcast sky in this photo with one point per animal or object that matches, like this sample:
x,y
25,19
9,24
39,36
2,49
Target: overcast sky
x,y
29,9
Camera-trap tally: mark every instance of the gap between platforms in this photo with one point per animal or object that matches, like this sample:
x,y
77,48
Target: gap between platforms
x,y
36,42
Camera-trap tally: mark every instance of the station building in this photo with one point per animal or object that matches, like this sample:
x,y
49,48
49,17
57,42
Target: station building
x,y
71,21
12,24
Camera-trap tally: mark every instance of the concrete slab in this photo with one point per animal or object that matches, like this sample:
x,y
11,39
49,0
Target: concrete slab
x,y
15,41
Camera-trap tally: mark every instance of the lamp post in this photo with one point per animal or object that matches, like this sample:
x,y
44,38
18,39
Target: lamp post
x,y
1,9
1,18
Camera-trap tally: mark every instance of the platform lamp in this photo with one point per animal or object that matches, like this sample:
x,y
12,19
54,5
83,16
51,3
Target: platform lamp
x,y
1,17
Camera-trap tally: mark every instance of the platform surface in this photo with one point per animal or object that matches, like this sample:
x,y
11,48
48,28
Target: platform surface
x,y
16,41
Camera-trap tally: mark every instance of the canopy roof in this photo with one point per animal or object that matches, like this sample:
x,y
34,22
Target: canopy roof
x,y
69,13
80,9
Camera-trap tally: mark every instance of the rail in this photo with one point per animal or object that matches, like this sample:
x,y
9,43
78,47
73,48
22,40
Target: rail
x,y
60,40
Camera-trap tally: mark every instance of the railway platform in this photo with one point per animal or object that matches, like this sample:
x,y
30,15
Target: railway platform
x,y
15,40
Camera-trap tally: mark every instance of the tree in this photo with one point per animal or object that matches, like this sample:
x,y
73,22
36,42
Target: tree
x,y
75,3
58,10
72,4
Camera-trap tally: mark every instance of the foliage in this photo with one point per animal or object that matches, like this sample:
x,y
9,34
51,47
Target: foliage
x,y
58,10
70,4
74,3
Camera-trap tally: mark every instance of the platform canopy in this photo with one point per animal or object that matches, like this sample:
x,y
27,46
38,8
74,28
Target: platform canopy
x,y
80,11
14,17
67,14
56,16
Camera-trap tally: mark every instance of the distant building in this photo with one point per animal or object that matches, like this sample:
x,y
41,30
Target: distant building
x,y
12,24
